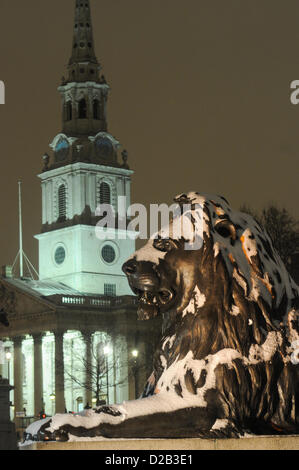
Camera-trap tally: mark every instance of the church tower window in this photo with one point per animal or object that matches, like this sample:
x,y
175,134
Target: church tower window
x,y
69,111
82,109
105,193
96,108
110,290
62,202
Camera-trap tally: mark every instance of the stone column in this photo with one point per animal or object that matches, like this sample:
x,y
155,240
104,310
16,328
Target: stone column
x,y
125,384
44,203
2,362
38,374
59,373
128,191
18,374
87,393
2,358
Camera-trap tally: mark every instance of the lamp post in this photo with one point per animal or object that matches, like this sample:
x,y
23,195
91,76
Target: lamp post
x,y
135,354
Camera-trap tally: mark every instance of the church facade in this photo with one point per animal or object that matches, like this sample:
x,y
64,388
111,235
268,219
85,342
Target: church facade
x,y
73,339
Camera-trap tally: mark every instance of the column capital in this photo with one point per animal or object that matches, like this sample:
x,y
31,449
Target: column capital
x,y
87,334
59,333
37,336
17,340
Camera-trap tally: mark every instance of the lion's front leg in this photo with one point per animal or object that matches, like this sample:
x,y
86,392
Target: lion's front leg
x,y
158,416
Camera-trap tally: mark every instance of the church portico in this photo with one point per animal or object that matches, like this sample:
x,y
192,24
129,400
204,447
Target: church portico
x,y
40,387
66,327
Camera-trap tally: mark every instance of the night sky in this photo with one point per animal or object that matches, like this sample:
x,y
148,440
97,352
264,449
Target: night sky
x,y
200,98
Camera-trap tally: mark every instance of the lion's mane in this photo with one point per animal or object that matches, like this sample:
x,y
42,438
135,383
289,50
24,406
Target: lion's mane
x,y
251,306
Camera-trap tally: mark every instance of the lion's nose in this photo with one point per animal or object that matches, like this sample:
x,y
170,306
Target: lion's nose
x,y
141,275
129,267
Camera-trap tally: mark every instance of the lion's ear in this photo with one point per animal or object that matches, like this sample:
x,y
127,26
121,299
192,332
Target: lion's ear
x,y
226,229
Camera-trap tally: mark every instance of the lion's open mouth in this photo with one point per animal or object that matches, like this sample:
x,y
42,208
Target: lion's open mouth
x,y
154,294
151,303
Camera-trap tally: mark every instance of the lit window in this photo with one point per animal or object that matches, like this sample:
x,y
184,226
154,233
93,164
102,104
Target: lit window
x,y
110,290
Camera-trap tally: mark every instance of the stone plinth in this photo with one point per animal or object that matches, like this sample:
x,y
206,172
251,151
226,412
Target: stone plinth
x,y
246,443
8,440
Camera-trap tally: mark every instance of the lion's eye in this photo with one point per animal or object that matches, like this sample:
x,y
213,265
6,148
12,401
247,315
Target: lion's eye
x,y
223,231
164,244
226,229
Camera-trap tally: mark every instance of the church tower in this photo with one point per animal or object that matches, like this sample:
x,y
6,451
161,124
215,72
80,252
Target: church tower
x,y
81,172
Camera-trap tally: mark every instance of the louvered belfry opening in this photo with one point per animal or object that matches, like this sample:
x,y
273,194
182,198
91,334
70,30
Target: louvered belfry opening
x,y
62,202
105,193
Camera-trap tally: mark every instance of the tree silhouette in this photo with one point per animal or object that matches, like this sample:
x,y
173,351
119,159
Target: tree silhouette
x,y
95,373
282,228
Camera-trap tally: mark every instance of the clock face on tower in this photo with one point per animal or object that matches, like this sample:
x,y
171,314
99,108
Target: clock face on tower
x,y
59,255
104,148
61,149
108,254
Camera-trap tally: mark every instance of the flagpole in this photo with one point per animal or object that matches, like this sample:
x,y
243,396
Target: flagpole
x,y
20,230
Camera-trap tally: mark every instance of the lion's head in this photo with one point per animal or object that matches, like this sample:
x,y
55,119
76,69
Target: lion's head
x,y
233,287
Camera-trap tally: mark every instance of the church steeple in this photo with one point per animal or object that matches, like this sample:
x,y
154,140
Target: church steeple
x,y
84,94
83,54
82,172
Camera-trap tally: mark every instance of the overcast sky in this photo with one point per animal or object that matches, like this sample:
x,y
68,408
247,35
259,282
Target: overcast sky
x,y
200,98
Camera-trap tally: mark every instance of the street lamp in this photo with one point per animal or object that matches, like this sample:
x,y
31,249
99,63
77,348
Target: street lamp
x,y
52,398
8,358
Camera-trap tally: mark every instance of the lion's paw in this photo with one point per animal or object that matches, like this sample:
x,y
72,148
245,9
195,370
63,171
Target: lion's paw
x,y
223,429
109,410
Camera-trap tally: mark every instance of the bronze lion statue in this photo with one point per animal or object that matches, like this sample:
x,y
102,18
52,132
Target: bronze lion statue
x,y
227,363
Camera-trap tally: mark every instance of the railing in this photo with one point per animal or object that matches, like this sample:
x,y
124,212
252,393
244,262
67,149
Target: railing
x,y
73,300
96,302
